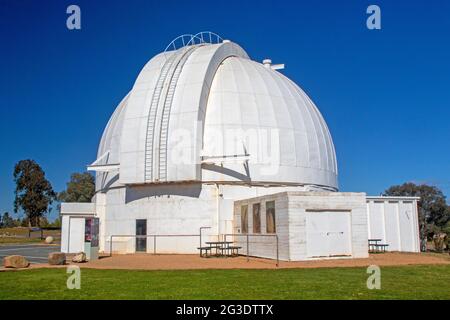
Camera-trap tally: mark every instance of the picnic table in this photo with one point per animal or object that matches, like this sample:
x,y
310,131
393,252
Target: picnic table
x,y
222,249
375,246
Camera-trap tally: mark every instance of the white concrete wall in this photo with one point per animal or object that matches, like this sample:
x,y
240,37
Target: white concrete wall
x,y
290,214
86,208
260,245
183,208
176,209
65,234
394,220
302,202
169,210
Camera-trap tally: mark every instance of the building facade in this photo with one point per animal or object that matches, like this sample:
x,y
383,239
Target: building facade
x,y
203,126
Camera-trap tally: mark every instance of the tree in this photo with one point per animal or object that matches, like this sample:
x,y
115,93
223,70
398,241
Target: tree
x,y
56,223
7,221
434,213
34,193
80,188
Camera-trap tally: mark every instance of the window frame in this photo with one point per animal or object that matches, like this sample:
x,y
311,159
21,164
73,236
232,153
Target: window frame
x,y
244,222
269,213
256,230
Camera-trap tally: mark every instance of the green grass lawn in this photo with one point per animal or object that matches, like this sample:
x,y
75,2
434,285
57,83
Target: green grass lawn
x,y
409,282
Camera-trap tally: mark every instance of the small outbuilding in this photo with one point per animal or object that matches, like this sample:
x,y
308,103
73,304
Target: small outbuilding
x,y
309,225
394,221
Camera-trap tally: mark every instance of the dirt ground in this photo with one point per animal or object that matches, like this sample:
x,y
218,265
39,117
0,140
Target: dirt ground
x,y
189,262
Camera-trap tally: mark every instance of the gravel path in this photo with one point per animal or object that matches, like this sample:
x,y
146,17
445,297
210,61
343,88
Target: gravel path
x,y
183,262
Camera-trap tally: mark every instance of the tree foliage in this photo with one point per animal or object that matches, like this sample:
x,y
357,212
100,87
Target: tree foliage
x,y
80,188
6,221
434,213
34,193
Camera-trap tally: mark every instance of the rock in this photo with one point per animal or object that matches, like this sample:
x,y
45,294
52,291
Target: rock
x,y
15,262
56,258
49,240
79,257
439,241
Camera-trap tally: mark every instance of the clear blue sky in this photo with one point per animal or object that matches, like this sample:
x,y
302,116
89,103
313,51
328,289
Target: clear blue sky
x,y
385,94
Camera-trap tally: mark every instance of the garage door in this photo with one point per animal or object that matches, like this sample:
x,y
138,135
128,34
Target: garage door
x,y
328,233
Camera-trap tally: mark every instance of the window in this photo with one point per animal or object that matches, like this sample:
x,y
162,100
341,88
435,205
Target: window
x,y
244,219
141,230
256,218
270,217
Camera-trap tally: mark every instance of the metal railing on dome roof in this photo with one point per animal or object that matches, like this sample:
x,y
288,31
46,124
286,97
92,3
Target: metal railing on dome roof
x,y
186,40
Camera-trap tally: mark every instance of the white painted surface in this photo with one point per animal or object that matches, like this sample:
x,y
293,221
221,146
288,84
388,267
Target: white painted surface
x,y
407,227
310,225
86,208
207,91
253,104
394,220
172,209
218,89
76,235
328,234
72,224
391,219
376,210
65,234
318,243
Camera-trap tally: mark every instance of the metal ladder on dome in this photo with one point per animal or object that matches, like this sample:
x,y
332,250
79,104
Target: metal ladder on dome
x,y
163,137
152,117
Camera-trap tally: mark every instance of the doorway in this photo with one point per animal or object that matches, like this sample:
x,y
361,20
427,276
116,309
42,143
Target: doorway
x,y
328,234
141,230
76,235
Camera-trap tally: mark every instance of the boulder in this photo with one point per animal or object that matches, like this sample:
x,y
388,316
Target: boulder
x,y
79,257
439,241
15,262
56,258
49,240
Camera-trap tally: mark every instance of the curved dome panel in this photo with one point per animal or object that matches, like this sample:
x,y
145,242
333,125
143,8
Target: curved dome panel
x,y
256,110
109,148
194,109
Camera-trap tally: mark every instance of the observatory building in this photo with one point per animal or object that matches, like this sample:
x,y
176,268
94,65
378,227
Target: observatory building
x,y
211,144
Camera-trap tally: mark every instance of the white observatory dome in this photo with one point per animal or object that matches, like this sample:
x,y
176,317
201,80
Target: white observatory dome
x,y
207,113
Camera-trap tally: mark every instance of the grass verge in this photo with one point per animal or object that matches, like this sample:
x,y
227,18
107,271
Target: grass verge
x,y
407,282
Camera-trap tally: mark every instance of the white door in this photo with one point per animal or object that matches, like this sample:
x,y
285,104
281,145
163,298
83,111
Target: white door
x,y
406,219
76,235
328,234
376,218
391,226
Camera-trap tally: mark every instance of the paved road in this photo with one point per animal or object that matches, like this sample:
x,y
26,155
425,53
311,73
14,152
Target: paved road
x,y
35,253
